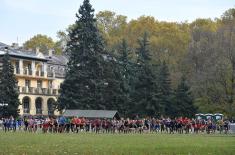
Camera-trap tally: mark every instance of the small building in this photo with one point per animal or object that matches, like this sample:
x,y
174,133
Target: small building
x,y
92,113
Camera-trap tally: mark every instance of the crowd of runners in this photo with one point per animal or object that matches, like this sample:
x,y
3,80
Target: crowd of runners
x,y
76,125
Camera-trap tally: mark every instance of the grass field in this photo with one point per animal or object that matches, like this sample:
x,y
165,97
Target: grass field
x,y
108,144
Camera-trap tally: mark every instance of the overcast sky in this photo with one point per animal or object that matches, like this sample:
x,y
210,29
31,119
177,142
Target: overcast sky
x,y
23,19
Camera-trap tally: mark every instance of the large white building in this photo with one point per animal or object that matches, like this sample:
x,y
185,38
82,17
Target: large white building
x,y
39,77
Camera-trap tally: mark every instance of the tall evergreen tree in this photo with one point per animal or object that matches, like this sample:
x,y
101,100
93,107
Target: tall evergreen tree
x,y
145,84
113,93
8,88
84,82
184,100
165,91
126,70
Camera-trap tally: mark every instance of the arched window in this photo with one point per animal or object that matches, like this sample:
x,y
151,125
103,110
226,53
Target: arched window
x,y
50,106
38,104
26,105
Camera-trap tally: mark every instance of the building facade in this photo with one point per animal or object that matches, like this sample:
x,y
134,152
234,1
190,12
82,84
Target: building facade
x,y
39,77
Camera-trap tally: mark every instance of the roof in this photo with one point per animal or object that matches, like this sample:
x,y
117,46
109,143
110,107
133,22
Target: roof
x,y
27,54
2,45
57,59
91,113
21,53
54,59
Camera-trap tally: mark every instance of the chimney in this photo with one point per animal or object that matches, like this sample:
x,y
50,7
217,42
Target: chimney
x,y
50,53
37,50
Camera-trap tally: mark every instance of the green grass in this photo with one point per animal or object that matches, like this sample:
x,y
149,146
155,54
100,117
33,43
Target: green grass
x,y
108,144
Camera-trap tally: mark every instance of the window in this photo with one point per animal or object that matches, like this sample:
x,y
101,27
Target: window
x,y
17,64
41,68
38,104
50,106
61,69
26,105
51,68
17,67
29,66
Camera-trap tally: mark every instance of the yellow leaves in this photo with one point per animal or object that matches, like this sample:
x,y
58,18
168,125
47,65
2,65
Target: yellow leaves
x,y
205,24
42,41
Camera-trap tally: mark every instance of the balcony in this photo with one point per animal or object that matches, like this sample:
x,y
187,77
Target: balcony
x,y
24,89
40,73
38,91
30,90
17,70
28,72
54,91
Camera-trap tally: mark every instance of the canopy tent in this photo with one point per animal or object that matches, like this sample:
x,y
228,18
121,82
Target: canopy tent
x,y
92,113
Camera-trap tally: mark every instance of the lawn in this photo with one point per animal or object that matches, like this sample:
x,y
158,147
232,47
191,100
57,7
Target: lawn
x,y
108,144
